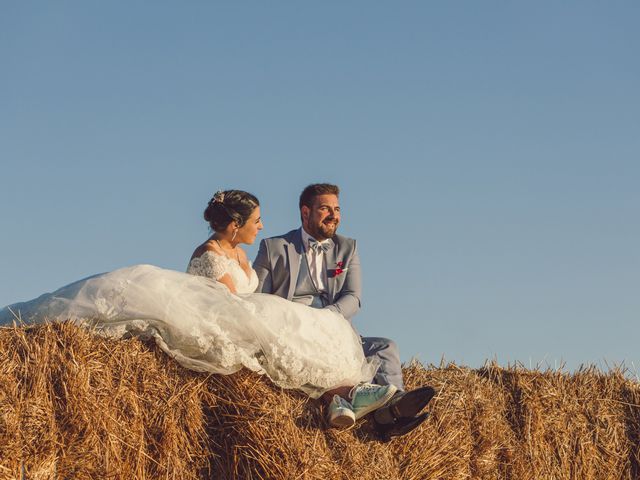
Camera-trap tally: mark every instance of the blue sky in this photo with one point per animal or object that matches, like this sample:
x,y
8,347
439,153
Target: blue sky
x,y
488,153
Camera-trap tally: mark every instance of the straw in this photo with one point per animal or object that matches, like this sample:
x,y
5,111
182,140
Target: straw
x,y
76,405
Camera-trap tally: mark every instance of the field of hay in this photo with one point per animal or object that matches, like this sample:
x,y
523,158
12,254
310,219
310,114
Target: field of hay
x,y
76,406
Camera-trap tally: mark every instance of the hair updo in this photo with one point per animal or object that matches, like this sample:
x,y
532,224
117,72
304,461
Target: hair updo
x,y
229,206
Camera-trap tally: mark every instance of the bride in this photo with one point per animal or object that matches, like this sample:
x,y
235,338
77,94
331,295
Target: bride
x,y
210,320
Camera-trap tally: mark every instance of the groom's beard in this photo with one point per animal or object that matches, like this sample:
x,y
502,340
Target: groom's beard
x,y
324,230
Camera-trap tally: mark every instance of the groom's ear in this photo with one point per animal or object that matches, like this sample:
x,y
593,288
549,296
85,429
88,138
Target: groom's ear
x,y
304,212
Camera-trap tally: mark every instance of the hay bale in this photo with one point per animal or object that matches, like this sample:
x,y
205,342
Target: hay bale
x,y
77,406
74,405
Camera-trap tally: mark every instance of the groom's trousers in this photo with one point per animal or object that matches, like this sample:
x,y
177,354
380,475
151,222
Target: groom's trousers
x,y
390,371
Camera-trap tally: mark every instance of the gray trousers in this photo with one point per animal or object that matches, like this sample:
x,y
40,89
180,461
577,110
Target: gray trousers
x,y
390,371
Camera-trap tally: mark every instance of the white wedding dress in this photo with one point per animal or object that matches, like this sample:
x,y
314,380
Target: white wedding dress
x,y
205,327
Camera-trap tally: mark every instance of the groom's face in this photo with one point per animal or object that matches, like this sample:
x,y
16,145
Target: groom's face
x,y
322,219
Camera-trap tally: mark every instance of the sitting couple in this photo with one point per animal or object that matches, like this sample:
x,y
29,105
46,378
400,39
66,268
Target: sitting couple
x,y
312,266
297,331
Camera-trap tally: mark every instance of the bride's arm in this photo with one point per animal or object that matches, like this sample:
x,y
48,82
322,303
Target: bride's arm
x,y
226,280
219,267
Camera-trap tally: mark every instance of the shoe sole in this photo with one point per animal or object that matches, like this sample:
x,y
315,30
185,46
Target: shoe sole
x,y
381,402
412,402
386,433
342,421
407,406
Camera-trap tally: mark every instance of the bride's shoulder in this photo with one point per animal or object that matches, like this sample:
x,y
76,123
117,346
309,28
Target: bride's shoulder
x,y
209,247
208,261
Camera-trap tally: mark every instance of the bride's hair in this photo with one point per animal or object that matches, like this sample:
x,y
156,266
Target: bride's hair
x,y
229,206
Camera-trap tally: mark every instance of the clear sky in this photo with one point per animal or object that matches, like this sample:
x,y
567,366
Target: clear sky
x,y
488,154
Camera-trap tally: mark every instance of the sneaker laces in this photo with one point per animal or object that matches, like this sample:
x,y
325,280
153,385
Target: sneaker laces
x,y
364,386
340,401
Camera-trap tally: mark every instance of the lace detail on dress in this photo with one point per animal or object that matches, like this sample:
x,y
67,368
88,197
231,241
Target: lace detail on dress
x,y
209,265
298,340
112,302
212,265
197,320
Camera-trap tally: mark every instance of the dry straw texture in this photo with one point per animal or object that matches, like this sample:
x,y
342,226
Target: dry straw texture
x,y
76,406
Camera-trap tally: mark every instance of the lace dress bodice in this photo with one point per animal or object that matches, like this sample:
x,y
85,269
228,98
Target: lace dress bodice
x,y
213,265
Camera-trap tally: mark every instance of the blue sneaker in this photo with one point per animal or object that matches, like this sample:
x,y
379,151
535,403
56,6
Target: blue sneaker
x,y
341,413
366,397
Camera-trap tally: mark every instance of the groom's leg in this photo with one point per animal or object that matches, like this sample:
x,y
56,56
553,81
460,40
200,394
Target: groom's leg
x,y
390,371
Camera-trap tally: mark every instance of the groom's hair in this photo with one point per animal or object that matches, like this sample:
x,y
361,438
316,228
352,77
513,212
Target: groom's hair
x,y
309,194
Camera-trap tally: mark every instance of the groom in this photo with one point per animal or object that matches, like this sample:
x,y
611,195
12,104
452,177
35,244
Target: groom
x,y
315,266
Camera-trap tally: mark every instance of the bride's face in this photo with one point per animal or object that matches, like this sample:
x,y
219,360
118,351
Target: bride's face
x,y
249,231
322,219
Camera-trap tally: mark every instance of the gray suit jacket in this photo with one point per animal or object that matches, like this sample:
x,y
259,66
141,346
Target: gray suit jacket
x,y
278,264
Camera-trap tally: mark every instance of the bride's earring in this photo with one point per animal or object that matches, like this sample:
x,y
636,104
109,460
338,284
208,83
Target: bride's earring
x,y
235,232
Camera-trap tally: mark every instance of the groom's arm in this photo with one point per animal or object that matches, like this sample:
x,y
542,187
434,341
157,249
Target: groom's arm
x,y
347,302
263,268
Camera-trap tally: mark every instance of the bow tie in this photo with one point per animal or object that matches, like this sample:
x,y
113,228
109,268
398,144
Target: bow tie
x,y
319,247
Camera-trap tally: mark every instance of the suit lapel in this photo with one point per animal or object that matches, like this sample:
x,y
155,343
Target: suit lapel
x,y
295,250
330,256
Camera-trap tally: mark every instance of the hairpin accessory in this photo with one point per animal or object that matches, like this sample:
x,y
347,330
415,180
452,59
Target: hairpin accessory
x,y
218,197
